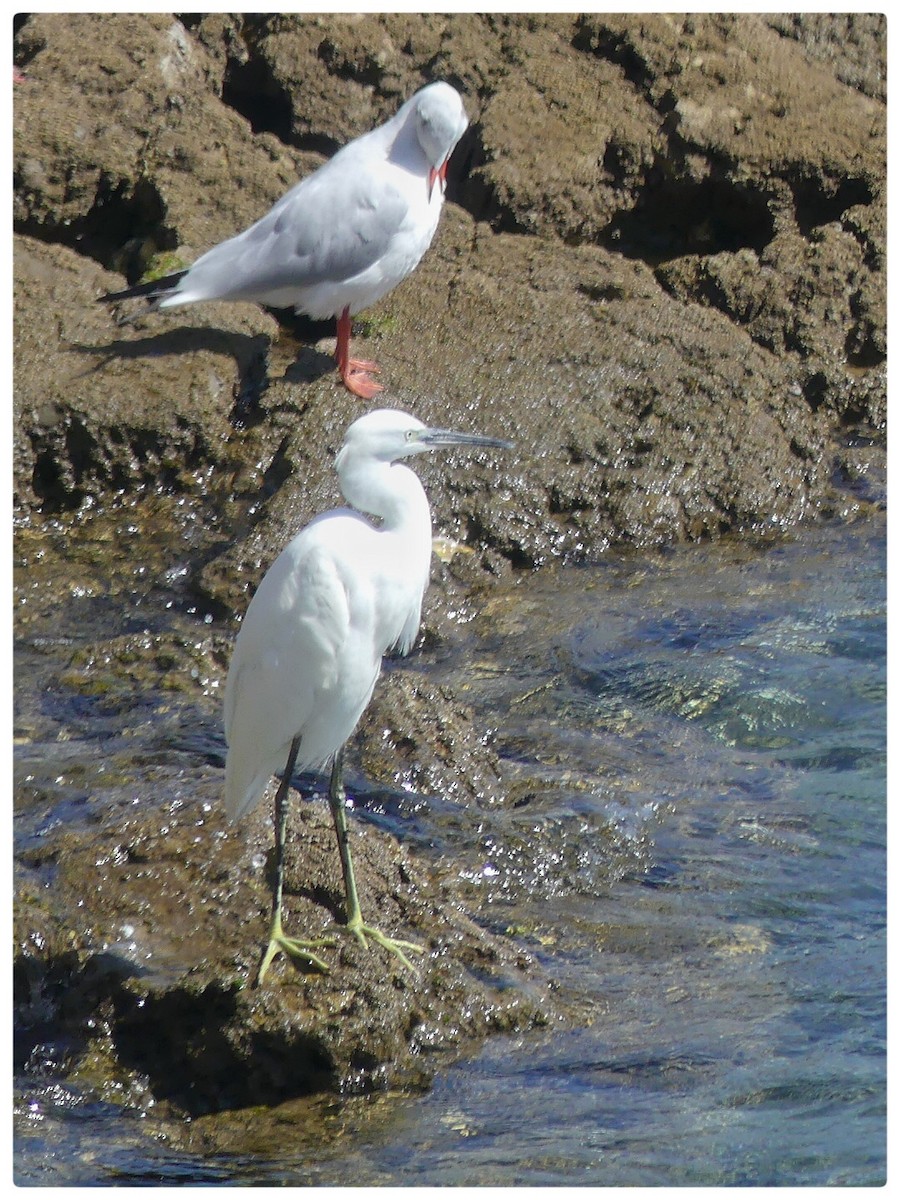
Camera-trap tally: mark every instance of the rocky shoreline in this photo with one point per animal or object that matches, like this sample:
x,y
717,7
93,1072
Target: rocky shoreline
x,y
661,272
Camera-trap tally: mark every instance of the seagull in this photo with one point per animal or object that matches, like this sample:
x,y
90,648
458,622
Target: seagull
x,y
341,238
308,654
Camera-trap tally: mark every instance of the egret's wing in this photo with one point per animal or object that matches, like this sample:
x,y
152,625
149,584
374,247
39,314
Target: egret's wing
x,y
330,227
285,659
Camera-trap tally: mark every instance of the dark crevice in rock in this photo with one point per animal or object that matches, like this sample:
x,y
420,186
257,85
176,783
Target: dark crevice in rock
x,y
477,534
62,461
115,229
178,1041
369,72
71,464
250,89
198,1068
814,206
463,186
48,483
861,347
866,357
671,220
815,390
615,47
470,187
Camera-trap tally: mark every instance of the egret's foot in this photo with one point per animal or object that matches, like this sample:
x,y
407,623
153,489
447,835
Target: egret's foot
x,y
355,374
293,948
361,931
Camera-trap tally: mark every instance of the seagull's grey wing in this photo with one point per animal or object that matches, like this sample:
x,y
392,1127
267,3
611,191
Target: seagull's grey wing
x,y
352,230
330,227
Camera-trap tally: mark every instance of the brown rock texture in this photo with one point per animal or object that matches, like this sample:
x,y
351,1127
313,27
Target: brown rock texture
x,y
661,271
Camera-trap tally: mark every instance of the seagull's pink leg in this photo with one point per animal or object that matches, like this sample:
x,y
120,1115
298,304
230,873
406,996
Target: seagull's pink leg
x,y
354,371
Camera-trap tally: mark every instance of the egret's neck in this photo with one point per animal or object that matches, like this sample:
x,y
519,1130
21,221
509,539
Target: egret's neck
x,y
391,492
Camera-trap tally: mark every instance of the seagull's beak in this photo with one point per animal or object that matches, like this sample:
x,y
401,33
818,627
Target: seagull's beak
x,y
437,173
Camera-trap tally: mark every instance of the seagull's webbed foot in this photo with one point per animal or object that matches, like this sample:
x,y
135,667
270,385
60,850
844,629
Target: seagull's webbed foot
x,y
361,932
301,948
355,374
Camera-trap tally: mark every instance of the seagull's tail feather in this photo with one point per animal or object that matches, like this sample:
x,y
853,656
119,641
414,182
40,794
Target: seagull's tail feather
x,y
155,290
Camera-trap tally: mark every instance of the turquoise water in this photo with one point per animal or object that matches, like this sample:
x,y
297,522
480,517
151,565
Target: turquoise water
x,y
709,727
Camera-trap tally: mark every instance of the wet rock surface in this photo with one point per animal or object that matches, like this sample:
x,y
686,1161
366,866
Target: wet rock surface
x,y
660,271
140,961
141,914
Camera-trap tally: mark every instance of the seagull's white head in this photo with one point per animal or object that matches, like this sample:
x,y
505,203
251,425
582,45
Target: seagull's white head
x,y
440,122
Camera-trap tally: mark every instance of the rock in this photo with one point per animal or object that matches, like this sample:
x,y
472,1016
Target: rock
x,y
147,984
704,261
660,272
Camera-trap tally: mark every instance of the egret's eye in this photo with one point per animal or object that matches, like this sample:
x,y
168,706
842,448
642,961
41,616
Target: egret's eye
x,y
410,434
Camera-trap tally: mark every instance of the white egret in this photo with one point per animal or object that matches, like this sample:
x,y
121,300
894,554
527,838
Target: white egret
x,y
309,650
341,238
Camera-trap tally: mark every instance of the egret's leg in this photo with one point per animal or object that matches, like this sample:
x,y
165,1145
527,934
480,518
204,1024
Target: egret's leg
x,y
278,943
355,923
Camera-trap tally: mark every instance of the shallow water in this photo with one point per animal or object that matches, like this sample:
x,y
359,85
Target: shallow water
x,y
707,727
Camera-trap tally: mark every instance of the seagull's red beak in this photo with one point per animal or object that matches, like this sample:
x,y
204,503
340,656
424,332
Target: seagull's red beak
x,y
437,173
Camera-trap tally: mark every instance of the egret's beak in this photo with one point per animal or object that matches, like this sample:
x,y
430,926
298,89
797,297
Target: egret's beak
x,y
436,173
431,439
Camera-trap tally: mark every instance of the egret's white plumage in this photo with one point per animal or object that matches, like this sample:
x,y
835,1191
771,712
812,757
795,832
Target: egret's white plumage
x,y
345,591
344,236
